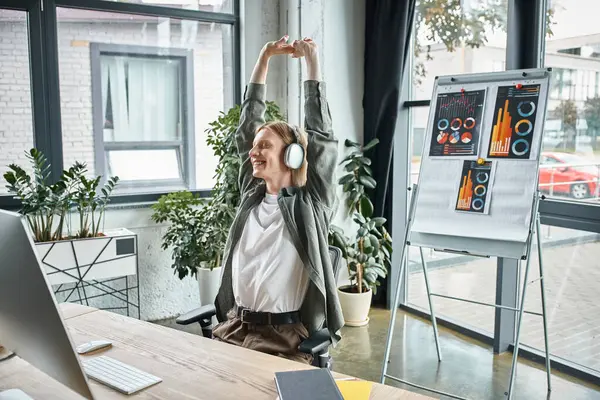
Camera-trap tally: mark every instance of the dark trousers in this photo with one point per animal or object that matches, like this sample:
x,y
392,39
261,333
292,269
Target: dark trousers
x,y
277,340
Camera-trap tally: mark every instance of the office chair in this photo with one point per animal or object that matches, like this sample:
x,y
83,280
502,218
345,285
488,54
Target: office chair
x,y
316,345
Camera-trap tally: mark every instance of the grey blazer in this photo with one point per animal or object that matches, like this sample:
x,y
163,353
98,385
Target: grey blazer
x,y
307,211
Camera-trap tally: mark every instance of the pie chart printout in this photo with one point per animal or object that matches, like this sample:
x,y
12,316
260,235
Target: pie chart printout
x,y
457,124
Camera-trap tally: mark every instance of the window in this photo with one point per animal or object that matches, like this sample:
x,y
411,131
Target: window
x,y
571,276
439,48
138,93
457,38
16,123
464,277
569,170
141,131
224,6
573,115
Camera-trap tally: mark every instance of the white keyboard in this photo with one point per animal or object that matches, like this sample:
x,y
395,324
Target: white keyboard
x,y
117,375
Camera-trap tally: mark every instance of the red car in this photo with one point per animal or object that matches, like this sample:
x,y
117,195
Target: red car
x,y
577,179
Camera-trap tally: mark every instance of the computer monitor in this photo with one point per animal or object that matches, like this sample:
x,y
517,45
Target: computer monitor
x,y
30,322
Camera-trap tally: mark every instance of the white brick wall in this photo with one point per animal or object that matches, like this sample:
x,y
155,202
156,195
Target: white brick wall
x,y
75,85
16,124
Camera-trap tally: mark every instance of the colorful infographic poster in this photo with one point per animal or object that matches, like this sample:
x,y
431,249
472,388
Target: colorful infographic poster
x,y
475,187
514,122
457,124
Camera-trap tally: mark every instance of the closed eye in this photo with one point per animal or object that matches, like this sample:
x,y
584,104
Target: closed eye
x,y
263,144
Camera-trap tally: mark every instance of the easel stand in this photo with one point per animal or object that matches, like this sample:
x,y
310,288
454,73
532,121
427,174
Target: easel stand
x,y
534,227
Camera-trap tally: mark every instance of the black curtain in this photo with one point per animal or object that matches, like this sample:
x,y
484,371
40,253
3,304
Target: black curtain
x,y
388,27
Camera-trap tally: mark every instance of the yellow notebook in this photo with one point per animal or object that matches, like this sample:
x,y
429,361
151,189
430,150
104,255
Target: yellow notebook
x,y
355,389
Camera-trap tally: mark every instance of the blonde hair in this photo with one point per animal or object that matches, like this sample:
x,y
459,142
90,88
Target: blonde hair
x,y
286,132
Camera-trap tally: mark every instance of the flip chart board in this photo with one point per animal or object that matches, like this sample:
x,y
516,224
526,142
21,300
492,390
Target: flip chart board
x,y
479,169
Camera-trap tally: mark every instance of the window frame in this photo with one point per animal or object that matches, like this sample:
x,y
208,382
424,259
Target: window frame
x,y
185,147
44,76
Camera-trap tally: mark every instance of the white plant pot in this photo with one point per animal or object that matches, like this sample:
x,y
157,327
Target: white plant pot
x,y
208,284
113,255
355,306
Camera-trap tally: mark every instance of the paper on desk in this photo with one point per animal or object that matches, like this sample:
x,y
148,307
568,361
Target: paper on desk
x,y
355,389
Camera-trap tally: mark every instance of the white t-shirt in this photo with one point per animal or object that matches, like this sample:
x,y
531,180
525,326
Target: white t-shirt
x,y
267,272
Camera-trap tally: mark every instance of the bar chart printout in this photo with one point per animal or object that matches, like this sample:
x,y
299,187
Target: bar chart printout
x,y
514,122
474,189
457,124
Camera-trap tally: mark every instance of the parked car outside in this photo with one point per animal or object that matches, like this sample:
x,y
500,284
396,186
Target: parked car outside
x,y
568,174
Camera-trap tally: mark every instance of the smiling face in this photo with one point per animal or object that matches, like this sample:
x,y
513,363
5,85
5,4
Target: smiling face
x,y
267,156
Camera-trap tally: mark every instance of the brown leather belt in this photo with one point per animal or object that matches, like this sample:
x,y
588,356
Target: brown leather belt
x,y
266,318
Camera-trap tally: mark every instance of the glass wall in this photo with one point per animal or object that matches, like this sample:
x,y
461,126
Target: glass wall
x,y
572,278
16,122
454,39
465,277
569,172
461,37
570,167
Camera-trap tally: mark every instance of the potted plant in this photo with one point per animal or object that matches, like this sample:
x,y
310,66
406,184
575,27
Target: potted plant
x,y
185,237
71,252
198,229
368,255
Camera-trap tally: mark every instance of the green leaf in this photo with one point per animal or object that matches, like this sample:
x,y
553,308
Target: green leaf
x,y
366,207
366,244
367,169
365,160
371,144
339,241
350,143
336,229
351,166
374,242
359,219
346,178
351,157
367,181
379,221
370,276
380,270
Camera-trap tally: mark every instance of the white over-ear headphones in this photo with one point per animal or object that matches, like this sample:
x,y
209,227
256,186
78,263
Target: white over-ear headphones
x,y
294,152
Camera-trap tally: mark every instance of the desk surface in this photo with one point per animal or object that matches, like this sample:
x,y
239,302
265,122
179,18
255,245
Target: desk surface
x,y
191,366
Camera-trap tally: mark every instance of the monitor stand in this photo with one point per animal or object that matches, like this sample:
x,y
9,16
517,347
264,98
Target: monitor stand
x,y
14,394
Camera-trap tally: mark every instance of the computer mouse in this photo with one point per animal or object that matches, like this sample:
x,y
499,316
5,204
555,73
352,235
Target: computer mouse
x,y
92,346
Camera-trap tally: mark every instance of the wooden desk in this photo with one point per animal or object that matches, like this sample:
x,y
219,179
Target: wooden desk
x,y
191,366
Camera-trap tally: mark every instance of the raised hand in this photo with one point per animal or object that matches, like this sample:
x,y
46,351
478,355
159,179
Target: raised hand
x,y
278,47
304,48
308,49
259,74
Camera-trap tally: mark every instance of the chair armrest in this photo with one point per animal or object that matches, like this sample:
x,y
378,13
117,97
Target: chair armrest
x,y
316,343
197,315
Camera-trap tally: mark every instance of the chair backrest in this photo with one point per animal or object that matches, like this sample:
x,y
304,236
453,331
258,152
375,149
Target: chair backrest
x,y
337,258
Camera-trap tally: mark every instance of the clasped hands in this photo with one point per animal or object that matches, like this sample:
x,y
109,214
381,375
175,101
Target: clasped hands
x,y
299,48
